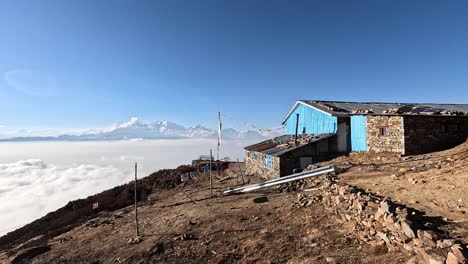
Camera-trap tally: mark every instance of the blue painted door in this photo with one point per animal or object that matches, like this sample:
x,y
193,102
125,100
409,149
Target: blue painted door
x,y
358,133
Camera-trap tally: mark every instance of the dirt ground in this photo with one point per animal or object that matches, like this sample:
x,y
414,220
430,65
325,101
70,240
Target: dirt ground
x,y
435,183
184,225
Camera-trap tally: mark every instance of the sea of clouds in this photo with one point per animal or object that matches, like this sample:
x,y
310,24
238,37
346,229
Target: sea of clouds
x,y
39,177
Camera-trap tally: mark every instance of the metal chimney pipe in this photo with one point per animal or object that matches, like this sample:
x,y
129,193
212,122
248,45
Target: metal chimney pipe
x,y
297,127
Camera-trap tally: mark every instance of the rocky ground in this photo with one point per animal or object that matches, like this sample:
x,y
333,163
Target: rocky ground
x,y
314,221
435,183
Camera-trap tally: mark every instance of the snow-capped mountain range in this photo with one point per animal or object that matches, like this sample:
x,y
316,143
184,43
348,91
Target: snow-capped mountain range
x,y
155,130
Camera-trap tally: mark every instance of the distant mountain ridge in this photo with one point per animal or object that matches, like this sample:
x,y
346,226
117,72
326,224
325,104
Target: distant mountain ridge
x,y
134,129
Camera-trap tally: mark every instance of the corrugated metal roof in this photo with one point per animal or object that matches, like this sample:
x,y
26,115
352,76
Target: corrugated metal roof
x,y
283,144
349,108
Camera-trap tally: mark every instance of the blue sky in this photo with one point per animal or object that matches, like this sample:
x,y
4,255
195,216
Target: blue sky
x,y
79,64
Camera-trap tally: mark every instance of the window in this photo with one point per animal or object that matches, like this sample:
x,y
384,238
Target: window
x,y
383,131
255,156
269,162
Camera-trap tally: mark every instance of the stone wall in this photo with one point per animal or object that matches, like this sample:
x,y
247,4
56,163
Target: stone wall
x,y
255,165
393,141
424,134
380,222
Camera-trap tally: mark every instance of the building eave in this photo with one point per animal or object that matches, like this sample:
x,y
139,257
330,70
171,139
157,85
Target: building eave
x,y
306,104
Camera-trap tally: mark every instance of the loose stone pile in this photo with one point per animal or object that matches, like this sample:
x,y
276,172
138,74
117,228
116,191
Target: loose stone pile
x,y
378,221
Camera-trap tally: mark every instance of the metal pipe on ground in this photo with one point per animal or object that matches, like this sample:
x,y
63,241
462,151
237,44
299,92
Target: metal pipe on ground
x,y
249,188
285,177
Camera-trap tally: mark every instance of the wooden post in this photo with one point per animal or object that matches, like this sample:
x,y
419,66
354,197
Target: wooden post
x,y
219,135
137,231
211,176
240,170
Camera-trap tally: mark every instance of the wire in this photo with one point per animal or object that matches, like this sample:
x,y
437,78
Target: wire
x,y
251,125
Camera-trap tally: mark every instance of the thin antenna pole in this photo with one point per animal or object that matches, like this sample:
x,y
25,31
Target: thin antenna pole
x,y
211,176
137,231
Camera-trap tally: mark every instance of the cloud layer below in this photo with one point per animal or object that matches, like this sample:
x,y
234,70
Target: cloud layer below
x,y
39,177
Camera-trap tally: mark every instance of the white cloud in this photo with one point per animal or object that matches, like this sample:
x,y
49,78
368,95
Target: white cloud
x,y
31,82
39,177
31,188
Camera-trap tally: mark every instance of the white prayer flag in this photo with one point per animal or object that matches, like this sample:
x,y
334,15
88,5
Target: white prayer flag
x,y
219,128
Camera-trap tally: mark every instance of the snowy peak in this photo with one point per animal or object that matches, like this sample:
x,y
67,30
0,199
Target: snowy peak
x,y
166,127
199,131
134,128
130,123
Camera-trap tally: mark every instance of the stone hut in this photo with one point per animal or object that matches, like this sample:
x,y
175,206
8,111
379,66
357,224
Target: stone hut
x,y
403,128
279,156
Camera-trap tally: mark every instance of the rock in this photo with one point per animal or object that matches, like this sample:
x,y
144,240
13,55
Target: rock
x,y
185,236
348,217
417,242
383,236
422,234
156,249
445,243
385,207
330,259
134,240
390,218
451,259
412,260
24,256
406,228
430,257
457,251
408,247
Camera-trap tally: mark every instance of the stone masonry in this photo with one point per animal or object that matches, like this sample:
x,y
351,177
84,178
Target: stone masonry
x,y
255,164
425,134
380,222
392,141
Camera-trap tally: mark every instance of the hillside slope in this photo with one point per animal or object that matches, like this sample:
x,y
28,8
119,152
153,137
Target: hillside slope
x,y
185,225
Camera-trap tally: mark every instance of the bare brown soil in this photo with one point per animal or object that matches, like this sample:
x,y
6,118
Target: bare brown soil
x,y
186,225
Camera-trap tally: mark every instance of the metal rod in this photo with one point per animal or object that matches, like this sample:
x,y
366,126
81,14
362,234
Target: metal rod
x,y
137,231
297,127
282,178
282,181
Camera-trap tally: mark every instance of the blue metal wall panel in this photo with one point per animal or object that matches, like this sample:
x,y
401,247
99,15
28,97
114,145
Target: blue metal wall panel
x,y
358,133
315,122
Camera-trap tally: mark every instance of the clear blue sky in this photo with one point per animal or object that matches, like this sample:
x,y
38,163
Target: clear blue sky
x,y
69,64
